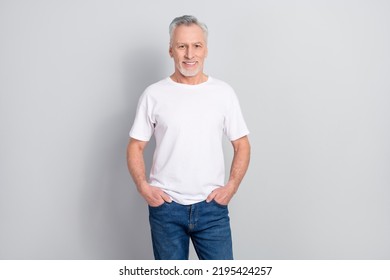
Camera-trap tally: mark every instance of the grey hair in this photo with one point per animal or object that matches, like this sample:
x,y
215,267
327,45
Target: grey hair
x,y
186,20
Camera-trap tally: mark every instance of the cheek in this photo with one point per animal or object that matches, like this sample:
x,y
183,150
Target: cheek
x,y
202,55
176,58
177,55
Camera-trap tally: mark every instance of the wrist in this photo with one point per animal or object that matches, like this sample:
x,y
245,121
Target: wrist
x,y
143,188
232,187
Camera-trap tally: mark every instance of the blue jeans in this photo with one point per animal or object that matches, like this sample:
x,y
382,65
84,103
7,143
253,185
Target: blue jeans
x,y
206,224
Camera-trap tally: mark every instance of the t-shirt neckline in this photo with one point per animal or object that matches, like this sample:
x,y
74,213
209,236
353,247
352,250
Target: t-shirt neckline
x,y
188,85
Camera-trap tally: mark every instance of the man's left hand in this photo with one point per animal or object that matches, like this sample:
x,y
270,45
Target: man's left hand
x,y
221,195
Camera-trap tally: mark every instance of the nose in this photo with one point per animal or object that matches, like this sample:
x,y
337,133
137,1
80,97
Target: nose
x,y
189,53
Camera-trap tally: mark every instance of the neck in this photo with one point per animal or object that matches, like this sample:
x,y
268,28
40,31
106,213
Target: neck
x,y
195,80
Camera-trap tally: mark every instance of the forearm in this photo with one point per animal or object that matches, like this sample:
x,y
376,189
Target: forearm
x,y
136,165
135,161
240,163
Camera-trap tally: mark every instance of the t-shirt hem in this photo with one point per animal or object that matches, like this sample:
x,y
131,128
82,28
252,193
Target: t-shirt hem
x,y
140,138
238,136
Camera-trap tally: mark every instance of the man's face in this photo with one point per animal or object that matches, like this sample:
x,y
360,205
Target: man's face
x,y
188,50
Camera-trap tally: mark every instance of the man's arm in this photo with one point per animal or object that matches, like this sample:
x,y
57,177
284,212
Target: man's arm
x,y
240,164
136,164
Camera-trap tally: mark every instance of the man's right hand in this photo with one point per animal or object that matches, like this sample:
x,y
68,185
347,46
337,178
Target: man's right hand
x,y
154,196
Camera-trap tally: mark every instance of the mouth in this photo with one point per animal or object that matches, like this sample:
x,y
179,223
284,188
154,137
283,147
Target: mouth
x,y
189,63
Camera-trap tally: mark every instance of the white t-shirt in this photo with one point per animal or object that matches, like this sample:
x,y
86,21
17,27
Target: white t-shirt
x,y
188,122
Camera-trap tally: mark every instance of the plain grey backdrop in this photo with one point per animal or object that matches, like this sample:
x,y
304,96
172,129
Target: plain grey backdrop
x,y
313,82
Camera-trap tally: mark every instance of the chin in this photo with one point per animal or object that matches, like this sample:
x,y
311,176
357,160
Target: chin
x,y
187,73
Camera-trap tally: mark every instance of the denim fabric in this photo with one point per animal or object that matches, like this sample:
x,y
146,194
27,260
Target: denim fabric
x,y
206,224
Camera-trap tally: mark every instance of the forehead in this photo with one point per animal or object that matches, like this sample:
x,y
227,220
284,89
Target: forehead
x,y
188,33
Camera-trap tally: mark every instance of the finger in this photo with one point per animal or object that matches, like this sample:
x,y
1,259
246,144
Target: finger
x,y
155,201
156,204
223,201
166,197
211,196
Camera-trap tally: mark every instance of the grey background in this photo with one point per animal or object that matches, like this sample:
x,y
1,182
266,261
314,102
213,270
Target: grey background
x,y
313,81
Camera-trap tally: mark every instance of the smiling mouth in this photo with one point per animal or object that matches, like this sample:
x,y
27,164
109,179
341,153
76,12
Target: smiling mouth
x,y
189,63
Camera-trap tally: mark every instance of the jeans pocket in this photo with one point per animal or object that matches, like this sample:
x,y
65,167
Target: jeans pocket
x,y
157,207
218,204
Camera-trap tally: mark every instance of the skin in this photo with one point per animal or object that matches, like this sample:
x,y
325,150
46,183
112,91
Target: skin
x,y
188,49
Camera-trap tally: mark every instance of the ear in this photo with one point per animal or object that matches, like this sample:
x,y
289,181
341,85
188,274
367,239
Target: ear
x,y
170,51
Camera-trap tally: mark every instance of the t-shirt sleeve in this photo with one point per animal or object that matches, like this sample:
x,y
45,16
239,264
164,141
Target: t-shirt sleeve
x,y
234,126
143,126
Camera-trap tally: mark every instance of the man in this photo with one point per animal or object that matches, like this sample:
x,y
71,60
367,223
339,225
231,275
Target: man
x,y
188,113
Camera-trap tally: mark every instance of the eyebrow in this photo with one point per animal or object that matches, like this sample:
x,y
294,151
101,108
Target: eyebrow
x,y
180,43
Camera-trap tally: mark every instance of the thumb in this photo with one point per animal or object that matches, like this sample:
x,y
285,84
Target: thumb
x,y
210,196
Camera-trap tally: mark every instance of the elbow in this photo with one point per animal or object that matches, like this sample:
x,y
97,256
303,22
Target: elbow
x,y
135,147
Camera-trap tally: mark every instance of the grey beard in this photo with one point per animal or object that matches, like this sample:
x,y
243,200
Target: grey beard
x,y
189,73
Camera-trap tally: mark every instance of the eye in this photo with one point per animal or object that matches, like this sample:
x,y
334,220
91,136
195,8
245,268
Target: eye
x,y
198,46
181,47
